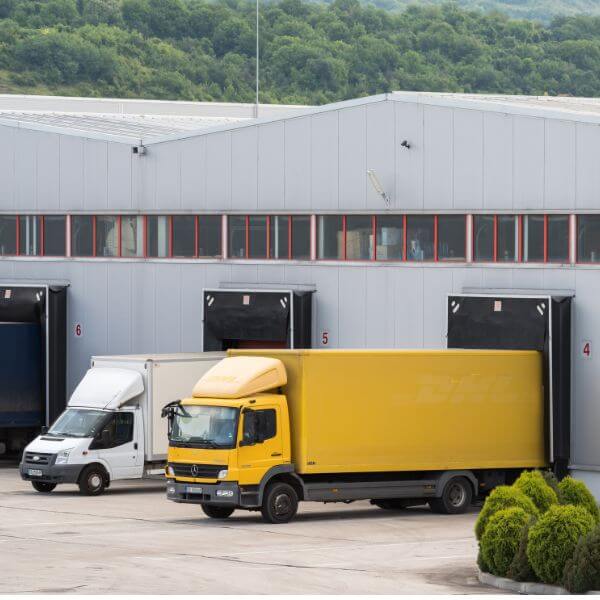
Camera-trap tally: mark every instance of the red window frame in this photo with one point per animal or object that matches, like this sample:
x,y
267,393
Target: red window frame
x,y
169,241
518,244
545,258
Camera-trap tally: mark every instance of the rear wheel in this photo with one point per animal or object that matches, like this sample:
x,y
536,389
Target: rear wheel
x,y
280,503
92,481
456,497
43,486
217,512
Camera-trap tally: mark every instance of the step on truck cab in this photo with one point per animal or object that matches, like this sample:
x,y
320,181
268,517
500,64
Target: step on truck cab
x,y
112,428
265,429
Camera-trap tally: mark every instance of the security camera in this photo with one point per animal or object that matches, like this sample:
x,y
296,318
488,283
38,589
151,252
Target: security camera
x,y
405,144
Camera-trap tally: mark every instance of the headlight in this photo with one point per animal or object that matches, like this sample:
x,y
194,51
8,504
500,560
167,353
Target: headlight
x,y
222,474
62,458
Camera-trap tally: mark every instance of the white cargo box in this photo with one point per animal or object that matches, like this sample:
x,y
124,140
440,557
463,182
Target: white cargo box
x,y
166,377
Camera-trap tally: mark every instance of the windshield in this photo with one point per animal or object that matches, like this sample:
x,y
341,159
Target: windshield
x,y
205,426
79,423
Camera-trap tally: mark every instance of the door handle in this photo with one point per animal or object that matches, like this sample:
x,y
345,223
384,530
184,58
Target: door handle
x,y
276,454
135,446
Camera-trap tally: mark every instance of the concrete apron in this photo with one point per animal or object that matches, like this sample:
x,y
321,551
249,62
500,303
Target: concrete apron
x,y
521,587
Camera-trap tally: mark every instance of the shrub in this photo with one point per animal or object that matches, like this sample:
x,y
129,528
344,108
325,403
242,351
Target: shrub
x,y
520,569
552,481
483,566
575,492
500,498
582,572
533,485
553,538
500,540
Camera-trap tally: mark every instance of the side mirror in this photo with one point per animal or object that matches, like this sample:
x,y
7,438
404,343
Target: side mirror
x,y
44,430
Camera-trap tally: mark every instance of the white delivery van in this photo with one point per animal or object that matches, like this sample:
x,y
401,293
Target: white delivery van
x,y
112,427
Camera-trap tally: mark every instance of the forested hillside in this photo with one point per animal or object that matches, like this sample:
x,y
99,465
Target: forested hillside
x,y
311,53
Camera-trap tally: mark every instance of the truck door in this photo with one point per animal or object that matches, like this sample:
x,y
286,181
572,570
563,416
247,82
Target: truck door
x,y
119,445
261,446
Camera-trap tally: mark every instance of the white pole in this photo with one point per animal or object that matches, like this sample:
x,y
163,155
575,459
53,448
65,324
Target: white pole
x,y
257,59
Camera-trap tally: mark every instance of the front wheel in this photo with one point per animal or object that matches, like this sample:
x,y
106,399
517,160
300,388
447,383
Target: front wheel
x,y
92,481
217,512
43,486
280,503
456,497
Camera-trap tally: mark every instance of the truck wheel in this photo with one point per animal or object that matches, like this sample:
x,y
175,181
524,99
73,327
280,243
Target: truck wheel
x,y
43,486
456,497
217,512
280,503
92,481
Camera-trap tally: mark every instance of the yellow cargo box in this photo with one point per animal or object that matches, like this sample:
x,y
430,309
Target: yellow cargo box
x,y
413,410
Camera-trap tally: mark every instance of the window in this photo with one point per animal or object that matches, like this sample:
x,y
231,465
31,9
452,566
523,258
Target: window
x,y
257,237
558,238
8,235
390,237
55,234
483,238
259,425
451,237
30,236
545,238
184,236
331,237
279,238
157,236
82,235
359,238
107,236
119,431
237,236
209,236
419,237
588,238
506,236
301,237
132,236
533,238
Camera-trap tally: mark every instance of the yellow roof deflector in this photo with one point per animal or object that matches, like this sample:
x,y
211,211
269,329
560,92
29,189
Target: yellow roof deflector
x,y
241,376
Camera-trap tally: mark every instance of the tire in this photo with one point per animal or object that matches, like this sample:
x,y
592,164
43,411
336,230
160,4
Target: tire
x,y
456,497
390,504
43,487
217,512
93,480
280,503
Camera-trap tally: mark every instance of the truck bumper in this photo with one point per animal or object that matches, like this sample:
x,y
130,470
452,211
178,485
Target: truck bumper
x,y
51,473
226,494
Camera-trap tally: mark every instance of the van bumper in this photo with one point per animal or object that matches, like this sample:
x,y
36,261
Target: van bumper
x,y
51,473
225,494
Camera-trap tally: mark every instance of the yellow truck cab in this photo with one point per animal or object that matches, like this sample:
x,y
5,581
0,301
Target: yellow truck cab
x,y
266,429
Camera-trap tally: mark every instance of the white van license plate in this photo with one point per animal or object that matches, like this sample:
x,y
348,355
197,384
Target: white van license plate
x,y
191,489
34,473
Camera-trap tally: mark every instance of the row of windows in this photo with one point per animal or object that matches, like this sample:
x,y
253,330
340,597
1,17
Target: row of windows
x,y
389,237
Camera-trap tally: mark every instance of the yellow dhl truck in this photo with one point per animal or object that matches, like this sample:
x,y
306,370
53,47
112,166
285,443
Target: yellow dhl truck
x,y
264,430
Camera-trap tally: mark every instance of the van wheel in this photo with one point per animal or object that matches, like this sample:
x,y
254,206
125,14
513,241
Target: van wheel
x,y
43,486
92,481
280,503
456,497
217,512
390,504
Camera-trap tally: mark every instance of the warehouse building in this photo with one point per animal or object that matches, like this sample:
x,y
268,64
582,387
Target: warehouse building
x,y
364,215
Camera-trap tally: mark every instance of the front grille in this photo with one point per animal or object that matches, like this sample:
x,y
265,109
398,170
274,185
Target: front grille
x,y
196,470
43,459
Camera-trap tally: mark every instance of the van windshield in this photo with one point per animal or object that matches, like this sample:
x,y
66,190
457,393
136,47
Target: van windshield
x,y
204,426
79,423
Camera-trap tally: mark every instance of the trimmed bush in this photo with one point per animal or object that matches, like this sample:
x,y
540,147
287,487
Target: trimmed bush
x,y
533,485
500,498
552,481
575,492
520,568
483,566
500,540
553,538
582,572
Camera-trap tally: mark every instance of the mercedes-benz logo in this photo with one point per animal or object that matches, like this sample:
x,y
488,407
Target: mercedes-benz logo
x,y
195,470
38,458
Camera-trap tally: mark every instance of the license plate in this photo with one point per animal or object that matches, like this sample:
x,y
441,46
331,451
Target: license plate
x,y
34,472
191,489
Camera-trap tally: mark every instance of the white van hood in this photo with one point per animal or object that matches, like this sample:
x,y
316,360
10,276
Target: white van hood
x,y
46,445
107,388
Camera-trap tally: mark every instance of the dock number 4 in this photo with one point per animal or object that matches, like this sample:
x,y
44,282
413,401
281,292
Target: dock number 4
x,y
586,349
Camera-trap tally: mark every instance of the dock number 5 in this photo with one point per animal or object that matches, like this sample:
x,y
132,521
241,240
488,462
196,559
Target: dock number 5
x,y
324,338
586,349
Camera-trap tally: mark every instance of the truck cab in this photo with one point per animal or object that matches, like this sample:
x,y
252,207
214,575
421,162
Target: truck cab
x,y
97,439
